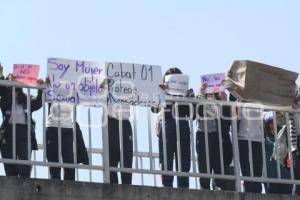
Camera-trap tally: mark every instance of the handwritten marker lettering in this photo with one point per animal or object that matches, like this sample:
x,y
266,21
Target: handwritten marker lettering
x,y
76,82
134,84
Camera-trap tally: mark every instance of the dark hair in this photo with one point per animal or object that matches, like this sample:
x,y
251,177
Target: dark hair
x,y
173,70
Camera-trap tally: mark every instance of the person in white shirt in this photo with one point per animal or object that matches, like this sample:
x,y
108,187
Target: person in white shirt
x,y
115,114
60,117
18,116
250,130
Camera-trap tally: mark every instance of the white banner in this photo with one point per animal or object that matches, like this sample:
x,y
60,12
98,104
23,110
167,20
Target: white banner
x,y
134,84
76,82
178,84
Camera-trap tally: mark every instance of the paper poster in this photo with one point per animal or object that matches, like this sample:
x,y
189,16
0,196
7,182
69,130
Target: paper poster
x,y
26,73
214,82
134,84
76,82
178,84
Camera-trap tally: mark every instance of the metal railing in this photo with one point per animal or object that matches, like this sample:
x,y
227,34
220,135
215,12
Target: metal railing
x,y
146,166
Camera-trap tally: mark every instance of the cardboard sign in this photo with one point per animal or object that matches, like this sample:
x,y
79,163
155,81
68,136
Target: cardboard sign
x,y
76,82
25,73
134,84
258,82
178,84
214,83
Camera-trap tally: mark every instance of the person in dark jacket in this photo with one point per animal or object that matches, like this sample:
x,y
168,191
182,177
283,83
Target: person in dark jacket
x,y
1,99
21,121
171,138
212,114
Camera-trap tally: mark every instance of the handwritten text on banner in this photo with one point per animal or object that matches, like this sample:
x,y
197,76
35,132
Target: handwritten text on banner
x,y
76,82
134,84
178,84
214,82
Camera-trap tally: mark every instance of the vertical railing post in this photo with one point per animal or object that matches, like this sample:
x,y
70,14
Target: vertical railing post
x,y
105,141
29,124
13,110
236,150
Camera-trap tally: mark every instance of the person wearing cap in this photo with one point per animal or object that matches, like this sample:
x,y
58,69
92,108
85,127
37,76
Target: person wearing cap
x,y
171,137
20,119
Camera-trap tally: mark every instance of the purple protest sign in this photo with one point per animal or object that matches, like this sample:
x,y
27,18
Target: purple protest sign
x,y
214,82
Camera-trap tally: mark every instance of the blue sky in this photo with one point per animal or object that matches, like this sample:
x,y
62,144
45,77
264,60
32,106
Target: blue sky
x,y
200,37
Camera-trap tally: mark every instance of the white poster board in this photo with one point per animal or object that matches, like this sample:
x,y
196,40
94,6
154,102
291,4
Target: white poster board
x,y
214,82
178,84
75,82
134,84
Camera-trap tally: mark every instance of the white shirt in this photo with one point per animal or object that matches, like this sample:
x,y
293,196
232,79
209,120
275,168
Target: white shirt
x,y
118,111
250,127
211,115
61,115
19,115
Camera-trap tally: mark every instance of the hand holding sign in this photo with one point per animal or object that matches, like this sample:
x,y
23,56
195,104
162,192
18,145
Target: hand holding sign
x,y
1,70
202,89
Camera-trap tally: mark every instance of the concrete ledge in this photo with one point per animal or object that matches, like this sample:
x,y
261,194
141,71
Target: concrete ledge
x,y
12,188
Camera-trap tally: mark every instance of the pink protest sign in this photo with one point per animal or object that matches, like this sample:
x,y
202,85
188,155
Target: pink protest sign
x,y
214,82
25,73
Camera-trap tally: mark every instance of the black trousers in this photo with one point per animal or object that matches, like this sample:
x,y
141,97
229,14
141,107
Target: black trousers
x,y
114,149
277,188
254,187
214,158
171,145
21,151
66,151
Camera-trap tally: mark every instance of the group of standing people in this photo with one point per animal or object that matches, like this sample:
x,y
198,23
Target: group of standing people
x,y
214,142
214,128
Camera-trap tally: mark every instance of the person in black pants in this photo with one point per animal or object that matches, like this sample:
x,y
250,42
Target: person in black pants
x,y
254,187
213,112
250,129
114,148
60,117
171,139
21,121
